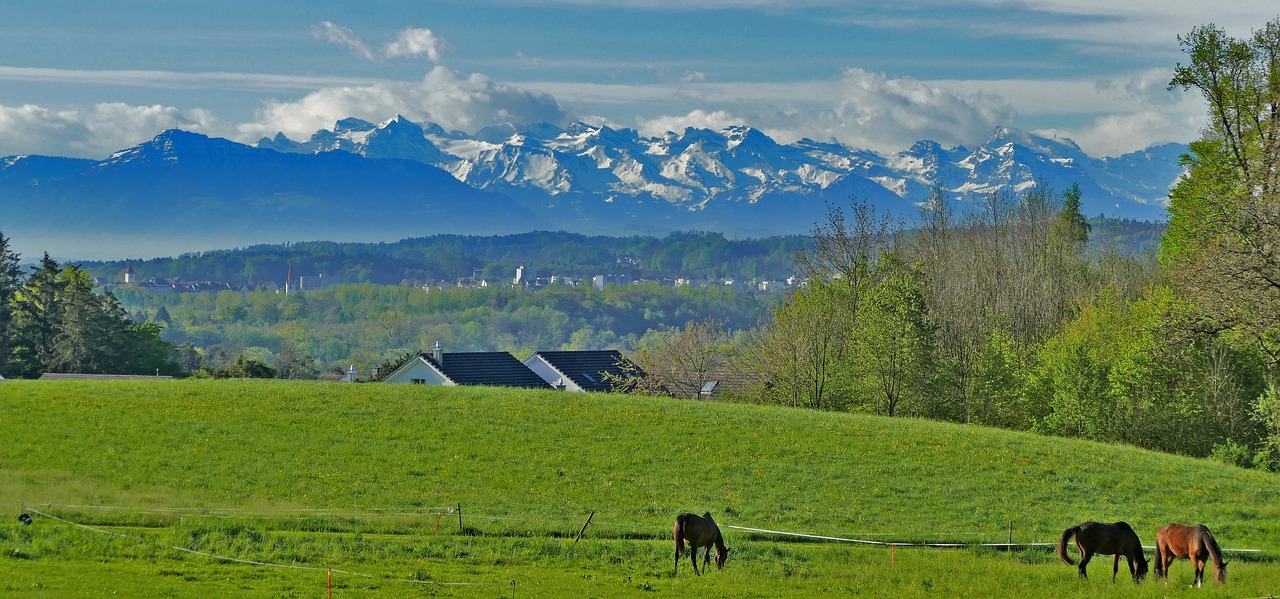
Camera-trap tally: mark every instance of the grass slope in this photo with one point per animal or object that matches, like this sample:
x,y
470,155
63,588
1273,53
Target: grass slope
x,y
528,467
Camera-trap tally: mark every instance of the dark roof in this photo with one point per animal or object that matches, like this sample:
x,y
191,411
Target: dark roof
x,y
496,368
587,368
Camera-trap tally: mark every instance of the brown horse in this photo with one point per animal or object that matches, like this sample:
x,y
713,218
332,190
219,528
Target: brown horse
x,y
699,531
1192,542
1114,539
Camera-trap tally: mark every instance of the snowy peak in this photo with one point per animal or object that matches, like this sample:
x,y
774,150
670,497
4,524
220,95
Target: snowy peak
x,y
171,145
698,167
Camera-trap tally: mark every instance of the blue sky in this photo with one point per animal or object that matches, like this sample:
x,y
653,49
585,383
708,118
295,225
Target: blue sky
x,y
88,78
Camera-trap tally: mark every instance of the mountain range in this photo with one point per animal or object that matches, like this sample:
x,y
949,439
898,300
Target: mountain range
x,y
359,181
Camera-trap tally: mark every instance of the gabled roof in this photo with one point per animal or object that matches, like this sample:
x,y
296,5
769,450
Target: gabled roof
x,y
587,369
496,369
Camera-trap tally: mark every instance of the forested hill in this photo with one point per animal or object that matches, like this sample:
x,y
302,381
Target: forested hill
x,y
451,257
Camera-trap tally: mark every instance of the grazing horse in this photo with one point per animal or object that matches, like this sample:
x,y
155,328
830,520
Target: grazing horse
x,y
1192,542
1115,539
699,531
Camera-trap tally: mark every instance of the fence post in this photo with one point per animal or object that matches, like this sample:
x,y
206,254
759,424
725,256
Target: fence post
x,y
584,526
459,516
1010,548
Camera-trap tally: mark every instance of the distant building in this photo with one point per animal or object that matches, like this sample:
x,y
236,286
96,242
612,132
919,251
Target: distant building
x,y
599,281
319,282
524,277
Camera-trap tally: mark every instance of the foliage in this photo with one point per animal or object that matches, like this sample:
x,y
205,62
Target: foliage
x,y
1224,230
60,324
368,324
1121,373
679,363
1267,414
10,283
892,355
245,367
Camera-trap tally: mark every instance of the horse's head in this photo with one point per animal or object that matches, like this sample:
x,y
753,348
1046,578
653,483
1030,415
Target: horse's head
x,y
1142,566
1220,573
721,555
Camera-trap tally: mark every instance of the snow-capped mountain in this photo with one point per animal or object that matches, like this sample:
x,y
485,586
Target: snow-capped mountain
x,y
184,191
701,170
358,181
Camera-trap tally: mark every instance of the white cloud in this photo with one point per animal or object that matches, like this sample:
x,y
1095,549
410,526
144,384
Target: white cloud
x,y
701,119
342,36
94,132
415,42
444,96
411,42
1113,135
525,58
859,108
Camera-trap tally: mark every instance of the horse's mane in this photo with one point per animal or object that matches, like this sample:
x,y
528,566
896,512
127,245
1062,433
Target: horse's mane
x,y
1210,543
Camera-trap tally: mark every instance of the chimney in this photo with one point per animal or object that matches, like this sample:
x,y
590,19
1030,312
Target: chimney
x,y
438,354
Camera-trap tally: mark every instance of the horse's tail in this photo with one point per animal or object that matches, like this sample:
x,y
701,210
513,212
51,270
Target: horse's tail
x,y
1062,544
677,532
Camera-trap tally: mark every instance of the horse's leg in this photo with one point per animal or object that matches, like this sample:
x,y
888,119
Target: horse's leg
x,y
1085,556
693,558
1164,558
1115,566
1199,580
706,558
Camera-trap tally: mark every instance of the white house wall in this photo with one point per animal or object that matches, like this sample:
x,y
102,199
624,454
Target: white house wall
x,y
418,369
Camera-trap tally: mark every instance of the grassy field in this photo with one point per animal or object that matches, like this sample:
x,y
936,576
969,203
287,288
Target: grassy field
x,y
366,480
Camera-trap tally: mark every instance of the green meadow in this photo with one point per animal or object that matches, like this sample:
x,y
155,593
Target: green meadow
x,y
204,488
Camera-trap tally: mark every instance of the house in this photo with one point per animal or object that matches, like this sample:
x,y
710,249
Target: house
x,y
581,370
494,369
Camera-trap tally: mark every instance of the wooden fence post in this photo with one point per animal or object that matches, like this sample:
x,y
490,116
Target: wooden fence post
x,y
459,516
584,526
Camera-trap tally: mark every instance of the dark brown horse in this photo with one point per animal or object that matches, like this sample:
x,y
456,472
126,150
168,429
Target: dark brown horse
x,y
1108,539
1192,542
699,531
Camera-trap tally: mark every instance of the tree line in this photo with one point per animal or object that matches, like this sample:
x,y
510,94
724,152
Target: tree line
x,y
450,257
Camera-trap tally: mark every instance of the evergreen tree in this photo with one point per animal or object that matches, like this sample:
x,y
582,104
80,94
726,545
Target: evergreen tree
x,y
10,283
36,320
